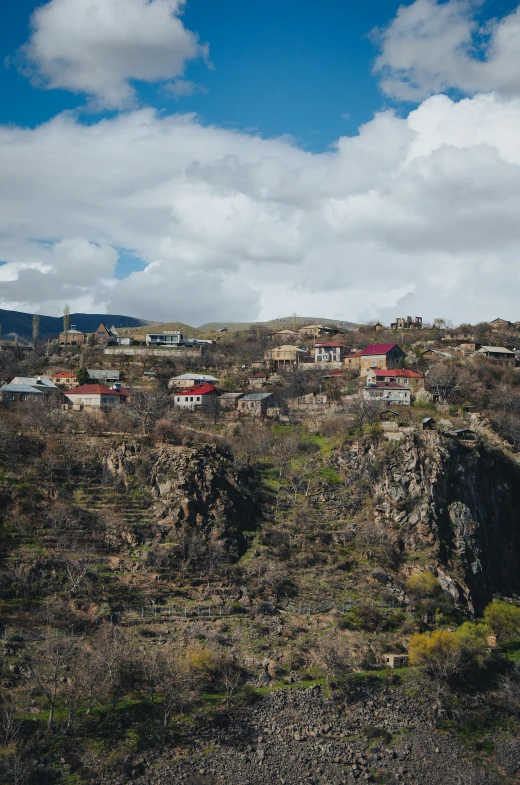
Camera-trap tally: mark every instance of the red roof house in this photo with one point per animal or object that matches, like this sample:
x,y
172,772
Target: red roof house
x,y
380,355
95,396
200,396
404,377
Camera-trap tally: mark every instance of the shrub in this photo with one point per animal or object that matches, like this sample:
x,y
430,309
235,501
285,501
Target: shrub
x,y
363,617
504,619
423,584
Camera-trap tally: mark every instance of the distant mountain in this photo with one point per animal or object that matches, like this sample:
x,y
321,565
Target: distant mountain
x,y
51,326
285,321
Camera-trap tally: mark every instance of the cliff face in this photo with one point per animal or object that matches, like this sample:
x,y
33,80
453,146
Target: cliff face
x,y
460,503
196,488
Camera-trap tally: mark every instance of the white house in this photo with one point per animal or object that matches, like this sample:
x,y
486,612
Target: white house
x,y
167,338
94,396
330,352
200,396
387,393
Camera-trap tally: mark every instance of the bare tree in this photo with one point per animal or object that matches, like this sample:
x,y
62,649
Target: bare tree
x,y
335,657
443,380
48,668
364,412
147,407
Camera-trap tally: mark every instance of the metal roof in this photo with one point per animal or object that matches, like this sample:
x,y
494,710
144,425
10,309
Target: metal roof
x,y
34,381
21,388
495,350
256,396
200,377
379,348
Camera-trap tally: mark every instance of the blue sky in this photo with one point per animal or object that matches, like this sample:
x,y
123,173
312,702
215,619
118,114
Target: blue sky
x,y
298,67
235,159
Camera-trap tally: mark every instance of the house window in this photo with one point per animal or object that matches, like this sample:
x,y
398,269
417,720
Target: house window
x,y
198,398
373,363
191,399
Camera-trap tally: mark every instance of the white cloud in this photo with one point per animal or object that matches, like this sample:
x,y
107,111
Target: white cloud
x,y
431,47
180,88
98,47
419,213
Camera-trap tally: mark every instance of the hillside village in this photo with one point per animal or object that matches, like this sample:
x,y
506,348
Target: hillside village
x,y
407,375
270,553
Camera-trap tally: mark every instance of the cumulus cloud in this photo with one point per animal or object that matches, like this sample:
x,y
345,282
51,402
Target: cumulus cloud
x,y
431,47
422,210
99,47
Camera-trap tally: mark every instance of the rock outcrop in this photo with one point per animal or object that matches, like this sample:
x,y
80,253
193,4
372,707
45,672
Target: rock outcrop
x,y
197,488
458,502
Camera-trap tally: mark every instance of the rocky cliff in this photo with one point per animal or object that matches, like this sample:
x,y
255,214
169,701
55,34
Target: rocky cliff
x,y
459,503
196,488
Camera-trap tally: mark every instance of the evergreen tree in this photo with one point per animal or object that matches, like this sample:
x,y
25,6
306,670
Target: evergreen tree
x,y
66,319
35,329
82,376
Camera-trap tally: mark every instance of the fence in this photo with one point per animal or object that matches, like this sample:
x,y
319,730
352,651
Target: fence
x,y
161,613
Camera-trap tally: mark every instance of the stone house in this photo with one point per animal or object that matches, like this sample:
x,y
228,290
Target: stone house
x,y
103,334
229,400
501,324
403,376
72,337
380,355
286,356
284,335
187,380
259,404
258,379
316,331
202,397
498,354
395,660
94,396
407,323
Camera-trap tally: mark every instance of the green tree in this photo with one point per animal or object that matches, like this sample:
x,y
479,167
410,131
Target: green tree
x,y
82,375
504,619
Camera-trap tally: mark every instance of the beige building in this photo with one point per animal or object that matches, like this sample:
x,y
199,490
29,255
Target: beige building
x,y
65,379
286,355
353,361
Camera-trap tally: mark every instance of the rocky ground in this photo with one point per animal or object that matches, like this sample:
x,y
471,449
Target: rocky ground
x,y
379,735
